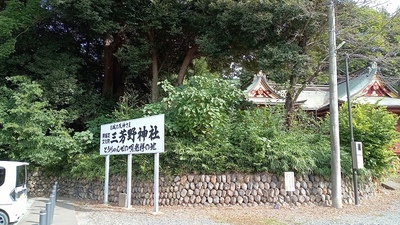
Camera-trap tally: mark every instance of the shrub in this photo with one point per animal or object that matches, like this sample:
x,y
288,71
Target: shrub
x,y
198,107
374,126
29,129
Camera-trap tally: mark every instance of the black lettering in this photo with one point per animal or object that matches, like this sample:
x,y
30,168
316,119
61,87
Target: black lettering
x,y
154,133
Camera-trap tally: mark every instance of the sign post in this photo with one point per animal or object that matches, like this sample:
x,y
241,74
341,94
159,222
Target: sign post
x,y
129,182
137,136
156,181
107,175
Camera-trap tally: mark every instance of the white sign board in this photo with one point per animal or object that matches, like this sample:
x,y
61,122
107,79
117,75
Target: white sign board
x,y
289,181
357,154
137,136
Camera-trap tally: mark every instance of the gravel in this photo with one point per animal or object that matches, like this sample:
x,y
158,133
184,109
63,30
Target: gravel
x,y
383,209
98,215
389,217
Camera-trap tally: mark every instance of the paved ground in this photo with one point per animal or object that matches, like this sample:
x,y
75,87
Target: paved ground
x,y
64,212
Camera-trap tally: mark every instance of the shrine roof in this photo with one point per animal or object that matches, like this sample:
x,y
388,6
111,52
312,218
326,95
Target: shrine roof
x,y
381,101
370,84
356,85
365,86
260,88
315,97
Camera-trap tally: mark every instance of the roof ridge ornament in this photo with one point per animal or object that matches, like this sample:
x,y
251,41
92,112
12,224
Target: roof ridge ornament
x,y
374,65
259,74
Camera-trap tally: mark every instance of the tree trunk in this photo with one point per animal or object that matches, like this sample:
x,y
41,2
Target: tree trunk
x,y
108,81
118,70
154,69
289,109
114,79
190,55
290,101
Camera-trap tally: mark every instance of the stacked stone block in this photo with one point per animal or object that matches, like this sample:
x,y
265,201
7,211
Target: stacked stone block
x,y
206,190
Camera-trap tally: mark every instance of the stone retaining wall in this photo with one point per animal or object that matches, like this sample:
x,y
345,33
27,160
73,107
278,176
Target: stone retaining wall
x,y
195,190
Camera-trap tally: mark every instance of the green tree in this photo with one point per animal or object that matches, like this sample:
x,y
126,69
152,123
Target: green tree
x,y
56,56
296,53
144,42
17,17
370,35
200,106
29,130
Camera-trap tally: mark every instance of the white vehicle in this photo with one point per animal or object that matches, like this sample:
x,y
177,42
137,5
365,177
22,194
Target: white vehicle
x,y
13,191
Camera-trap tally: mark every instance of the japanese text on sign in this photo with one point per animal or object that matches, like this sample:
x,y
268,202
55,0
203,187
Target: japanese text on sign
x,y
144,135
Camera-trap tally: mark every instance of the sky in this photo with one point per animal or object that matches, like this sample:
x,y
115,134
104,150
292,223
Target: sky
x,y
390,5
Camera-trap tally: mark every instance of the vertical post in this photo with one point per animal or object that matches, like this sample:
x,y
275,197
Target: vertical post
x,y
52,207
54,191
55,187
129,182
42,217
351,131
48,212
156,180
106,179
334,112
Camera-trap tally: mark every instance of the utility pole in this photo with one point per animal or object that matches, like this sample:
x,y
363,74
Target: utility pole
x,y
336,178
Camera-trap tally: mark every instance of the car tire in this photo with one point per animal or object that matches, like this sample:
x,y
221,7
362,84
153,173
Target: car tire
x,y
3,218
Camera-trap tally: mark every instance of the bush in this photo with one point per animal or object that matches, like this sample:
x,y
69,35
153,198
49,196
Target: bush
x,y
29,129
255,141
208,132
200,106
375,127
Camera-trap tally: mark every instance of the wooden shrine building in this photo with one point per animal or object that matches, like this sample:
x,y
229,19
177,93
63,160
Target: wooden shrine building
x,y
365,86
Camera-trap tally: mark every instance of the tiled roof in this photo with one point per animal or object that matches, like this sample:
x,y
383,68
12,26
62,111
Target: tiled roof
x,y
365,86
